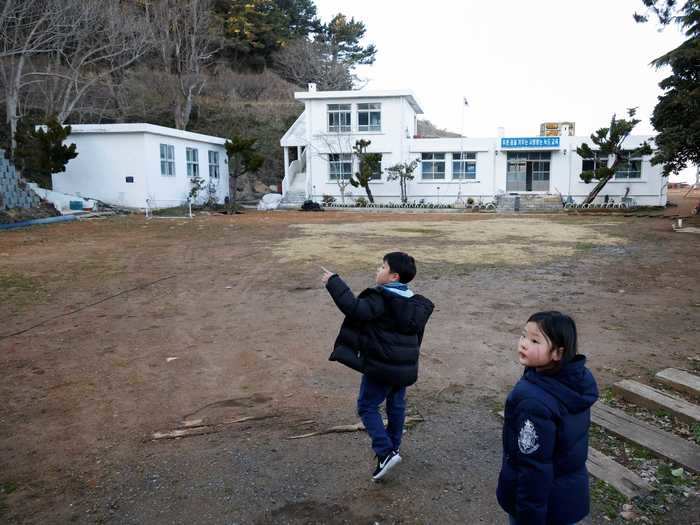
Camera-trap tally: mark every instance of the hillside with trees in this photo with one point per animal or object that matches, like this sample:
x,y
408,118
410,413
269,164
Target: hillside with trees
x,y
221,67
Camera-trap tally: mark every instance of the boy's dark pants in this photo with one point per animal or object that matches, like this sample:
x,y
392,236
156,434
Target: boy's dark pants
x,y
372,394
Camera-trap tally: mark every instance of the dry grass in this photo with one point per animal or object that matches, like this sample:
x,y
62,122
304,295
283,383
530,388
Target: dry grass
x,y
500,242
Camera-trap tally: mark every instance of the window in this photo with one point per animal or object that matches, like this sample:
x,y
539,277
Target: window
x,y
338,117
192,162
596,162
629,168
433,166
377,173
369,117
339,166
213,164
167,160
464,165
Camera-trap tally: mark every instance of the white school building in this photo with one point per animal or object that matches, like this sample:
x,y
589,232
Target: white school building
x,y
142,165
318,146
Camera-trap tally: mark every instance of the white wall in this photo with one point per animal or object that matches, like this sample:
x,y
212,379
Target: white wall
x,y
161,188
101,167
105,160
396,144
391,141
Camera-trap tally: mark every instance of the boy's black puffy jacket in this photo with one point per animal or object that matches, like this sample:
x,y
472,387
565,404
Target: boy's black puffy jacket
x,y
384,328
543,477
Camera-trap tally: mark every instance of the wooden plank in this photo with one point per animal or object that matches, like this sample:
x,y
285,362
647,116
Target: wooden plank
x,y
632,429
620,477
680,380
649,397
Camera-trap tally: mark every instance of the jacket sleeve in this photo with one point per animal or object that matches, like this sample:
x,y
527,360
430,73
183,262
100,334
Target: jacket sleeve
x,y
536,433
357,308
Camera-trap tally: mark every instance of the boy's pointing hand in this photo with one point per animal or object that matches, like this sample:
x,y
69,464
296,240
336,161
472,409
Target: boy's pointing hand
x,y
327,274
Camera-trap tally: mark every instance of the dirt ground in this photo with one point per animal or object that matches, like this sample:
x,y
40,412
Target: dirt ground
x,y
95,311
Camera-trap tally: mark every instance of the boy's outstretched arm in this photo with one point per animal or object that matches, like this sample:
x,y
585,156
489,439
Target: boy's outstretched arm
x,y
360,309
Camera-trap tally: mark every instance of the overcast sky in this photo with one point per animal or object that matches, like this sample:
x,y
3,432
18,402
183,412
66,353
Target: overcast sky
x,y
518,63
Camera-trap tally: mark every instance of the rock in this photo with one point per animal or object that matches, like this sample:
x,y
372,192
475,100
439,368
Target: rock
x,y
628,515
627,507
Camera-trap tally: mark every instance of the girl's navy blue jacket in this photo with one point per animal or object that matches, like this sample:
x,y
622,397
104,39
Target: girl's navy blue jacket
x,y
543,477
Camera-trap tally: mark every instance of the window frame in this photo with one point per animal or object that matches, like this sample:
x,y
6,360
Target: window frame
x,y
433,159
213,166
377,176
465,159
192,163
368,109
167,161
595,162
335,114
628,163
339,160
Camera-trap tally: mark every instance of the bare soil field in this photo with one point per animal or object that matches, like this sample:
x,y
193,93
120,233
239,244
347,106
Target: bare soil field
x,y
119,328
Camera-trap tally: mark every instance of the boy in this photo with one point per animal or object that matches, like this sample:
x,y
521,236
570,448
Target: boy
x,y
381,337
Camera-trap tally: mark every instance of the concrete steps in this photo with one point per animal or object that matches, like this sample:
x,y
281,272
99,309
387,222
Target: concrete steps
x,y
526,202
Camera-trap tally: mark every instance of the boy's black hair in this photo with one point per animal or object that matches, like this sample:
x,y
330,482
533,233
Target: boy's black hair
x,y
560,329
403,264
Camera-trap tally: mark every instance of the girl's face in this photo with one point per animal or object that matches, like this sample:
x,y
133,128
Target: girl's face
x,y
535,350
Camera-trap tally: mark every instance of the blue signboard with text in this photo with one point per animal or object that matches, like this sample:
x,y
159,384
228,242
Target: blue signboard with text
x,y
529,142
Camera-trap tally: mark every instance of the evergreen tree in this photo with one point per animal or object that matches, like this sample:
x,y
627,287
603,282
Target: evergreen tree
x,y
243,158
609,141
677,114
343,38
255,29
40,152
368,165
403,172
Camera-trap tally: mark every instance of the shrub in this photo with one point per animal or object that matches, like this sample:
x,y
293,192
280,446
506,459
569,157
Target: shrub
x,y
361,202
327,200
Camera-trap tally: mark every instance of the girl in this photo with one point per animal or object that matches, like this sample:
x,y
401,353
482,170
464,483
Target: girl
x,y
543,477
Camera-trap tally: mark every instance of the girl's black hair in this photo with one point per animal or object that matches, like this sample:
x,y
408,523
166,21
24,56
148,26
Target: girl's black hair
x,y
560,329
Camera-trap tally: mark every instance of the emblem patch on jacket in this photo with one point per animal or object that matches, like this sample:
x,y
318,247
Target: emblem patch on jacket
x,y
528,441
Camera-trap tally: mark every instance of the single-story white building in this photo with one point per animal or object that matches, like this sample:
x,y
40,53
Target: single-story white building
x,y
318,157
142,165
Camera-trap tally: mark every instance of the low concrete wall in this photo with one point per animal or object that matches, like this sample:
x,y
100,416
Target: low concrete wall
x,y
14,191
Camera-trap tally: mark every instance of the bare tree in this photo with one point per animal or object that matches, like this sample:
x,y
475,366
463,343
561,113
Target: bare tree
x,y
302,61
28,28
336,144
185,33
102,38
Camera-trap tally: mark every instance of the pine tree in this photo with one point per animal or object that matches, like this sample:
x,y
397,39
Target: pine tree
x,y
368,165
610,143
243,158
403,172
677,114
40,152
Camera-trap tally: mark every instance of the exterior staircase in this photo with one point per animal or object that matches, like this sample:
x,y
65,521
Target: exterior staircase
x,y
525,202
295,194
